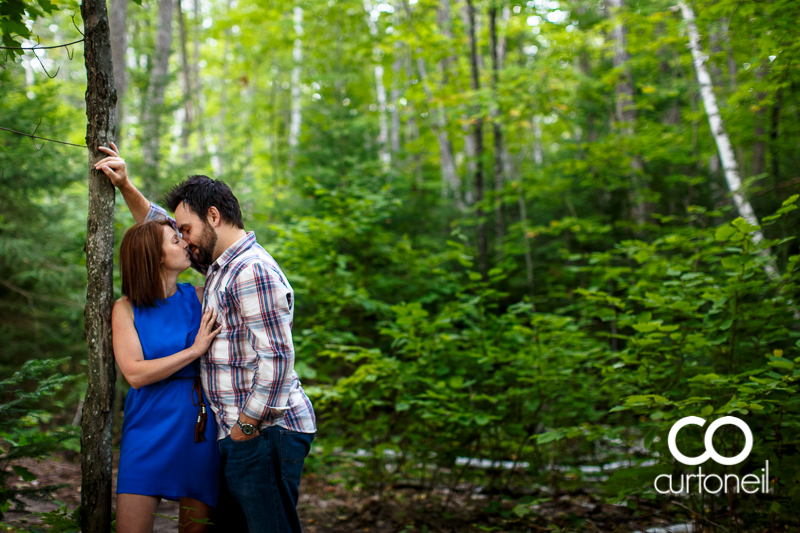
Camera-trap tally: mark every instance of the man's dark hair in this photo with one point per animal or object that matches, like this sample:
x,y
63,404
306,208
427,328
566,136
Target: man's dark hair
x,y
200,193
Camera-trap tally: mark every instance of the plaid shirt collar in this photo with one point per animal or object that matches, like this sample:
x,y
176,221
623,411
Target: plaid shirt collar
x,y
235,249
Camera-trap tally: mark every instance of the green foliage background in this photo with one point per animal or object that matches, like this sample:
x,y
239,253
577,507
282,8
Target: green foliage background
x,y
419,366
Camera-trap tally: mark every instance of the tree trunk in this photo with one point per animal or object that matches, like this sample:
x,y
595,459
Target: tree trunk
x,y
219,160
201,134
625,111
538,151
151,140
394,137
477,134
296,114
732,72
774,134
96,422
383,123
759,120
119,47
188,107
446,164
447,167
721,136
496,50
523,218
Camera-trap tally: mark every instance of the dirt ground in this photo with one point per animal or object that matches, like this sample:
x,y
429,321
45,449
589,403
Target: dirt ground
x,y
331,508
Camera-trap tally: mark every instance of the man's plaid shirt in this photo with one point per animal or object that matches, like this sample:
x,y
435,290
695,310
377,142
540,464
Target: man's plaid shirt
x,y
249,367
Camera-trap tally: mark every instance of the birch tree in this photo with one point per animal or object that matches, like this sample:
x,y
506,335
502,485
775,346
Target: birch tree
x,y
440,123
201,135
729,166
296,104
384,153
394,138
153,110
186,82
101,99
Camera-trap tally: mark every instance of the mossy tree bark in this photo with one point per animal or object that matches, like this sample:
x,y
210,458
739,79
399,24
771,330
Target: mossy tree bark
x,y
101,99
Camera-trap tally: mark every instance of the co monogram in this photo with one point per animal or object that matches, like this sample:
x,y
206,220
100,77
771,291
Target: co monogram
x,y
710,451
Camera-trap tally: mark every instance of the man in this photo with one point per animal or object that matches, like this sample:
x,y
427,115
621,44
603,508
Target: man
x,y
266,422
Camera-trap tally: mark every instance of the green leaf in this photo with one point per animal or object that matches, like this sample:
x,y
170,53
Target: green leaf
x,y
482,420
24,473
724,233
744,226
521,510
456,382
707,410
549,436
780,362
646,327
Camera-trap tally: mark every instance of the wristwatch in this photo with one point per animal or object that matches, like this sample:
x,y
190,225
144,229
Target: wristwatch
x,y
247,429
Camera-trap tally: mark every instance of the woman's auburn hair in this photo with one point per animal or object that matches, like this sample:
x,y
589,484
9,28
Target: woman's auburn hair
x,y
140,256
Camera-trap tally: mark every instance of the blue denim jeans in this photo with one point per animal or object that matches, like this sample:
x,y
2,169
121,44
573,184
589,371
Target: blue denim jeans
x,y
261,481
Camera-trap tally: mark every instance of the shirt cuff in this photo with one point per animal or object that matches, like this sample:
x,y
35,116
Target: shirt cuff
x,y
156,212
261,411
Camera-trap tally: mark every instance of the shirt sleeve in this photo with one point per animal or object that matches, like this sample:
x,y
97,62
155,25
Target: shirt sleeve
x,y
156,212
267,309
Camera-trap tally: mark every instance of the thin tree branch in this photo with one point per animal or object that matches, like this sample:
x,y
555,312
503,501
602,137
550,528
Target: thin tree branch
x,y
700,517
37,47
44,69
33,135
76,26
42,138
32,296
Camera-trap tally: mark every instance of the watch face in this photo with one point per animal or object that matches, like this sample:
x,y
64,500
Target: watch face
x,y
247,429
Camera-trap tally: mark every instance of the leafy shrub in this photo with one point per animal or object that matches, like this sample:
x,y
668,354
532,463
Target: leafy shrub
x,y
20,418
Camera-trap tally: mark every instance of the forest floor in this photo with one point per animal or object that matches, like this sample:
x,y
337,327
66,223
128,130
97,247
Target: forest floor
x,y
331,508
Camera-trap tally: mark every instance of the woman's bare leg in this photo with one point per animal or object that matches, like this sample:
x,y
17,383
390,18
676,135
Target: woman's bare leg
x,y
136,513
197,510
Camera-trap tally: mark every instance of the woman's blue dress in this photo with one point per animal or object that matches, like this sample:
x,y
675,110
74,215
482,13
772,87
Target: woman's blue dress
x,y
159,455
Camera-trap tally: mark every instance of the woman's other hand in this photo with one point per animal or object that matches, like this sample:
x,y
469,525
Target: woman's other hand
x,y
206,333
113,166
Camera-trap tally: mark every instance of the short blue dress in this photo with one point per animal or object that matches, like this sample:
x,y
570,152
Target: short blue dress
x,y
159,455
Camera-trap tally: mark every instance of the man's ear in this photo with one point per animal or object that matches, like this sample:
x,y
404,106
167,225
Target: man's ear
x,y
213,216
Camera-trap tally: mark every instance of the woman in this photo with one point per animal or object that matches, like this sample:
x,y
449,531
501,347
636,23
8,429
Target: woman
x,y
169,446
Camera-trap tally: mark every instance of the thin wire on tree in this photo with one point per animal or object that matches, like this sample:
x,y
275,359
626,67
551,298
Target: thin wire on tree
x,y
41,138
37,47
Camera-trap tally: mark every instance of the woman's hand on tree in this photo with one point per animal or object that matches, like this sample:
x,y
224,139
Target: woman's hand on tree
x,y
206,333
113,166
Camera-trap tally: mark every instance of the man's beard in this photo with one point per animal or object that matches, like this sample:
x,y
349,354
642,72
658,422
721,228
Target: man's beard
x,y
205,245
